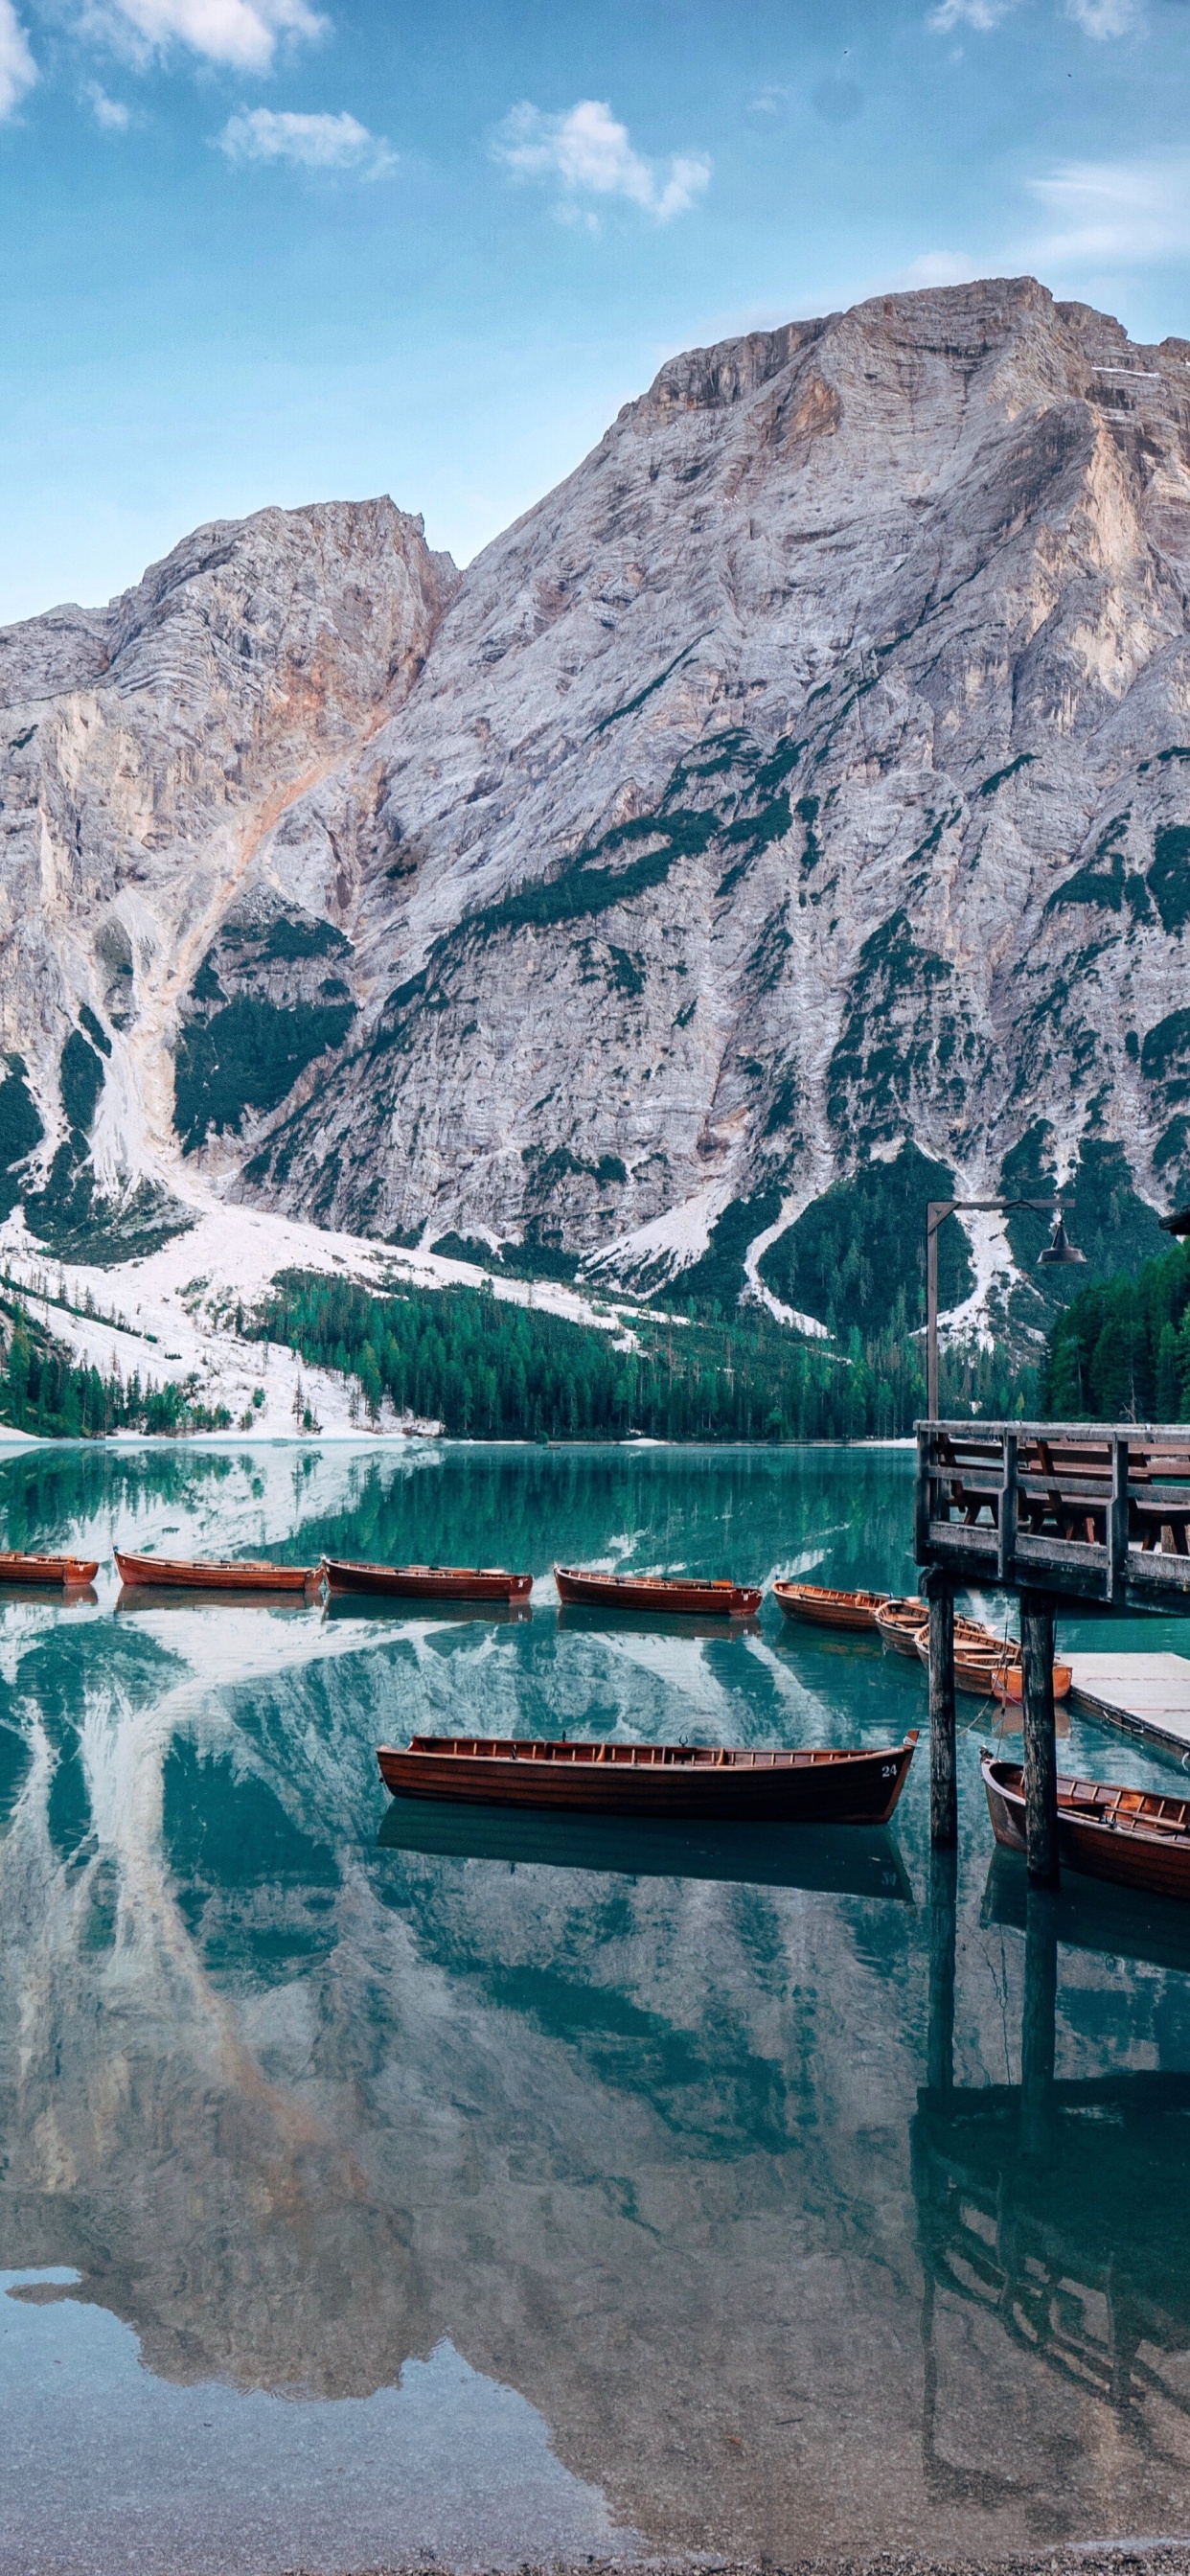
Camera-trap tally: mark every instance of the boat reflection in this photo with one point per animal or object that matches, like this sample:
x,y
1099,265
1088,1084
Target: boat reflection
x,y
1055,2206
395,1610
171,1596
1091,1914
71,1596
653,1623
837,1860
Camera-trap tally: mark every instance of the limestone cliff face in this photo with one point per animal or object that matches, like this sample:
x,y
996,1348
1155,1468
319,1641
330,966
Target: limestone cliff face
x,y
151,750
807,774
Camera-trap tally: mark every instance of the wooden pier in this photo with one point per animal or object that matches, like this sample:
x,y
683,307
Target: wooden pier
x,y
1059,1512
1146,1695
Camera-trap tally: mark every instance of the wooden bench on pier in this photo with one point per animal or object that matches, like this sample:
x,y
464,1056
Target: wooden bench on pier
x,y
1102,1515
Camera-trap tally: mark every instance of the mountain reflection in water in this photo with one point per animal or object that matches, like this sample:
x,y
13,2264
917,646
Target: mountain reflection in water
x,y
705,2162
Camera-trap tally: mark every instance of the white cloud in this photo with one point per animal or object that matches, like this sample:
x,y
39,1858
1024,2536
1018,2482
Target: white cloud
x,y
939,268
18,71
980,14
1103,17
312,142
587,153
1109,211
243,33
110,113
1097,18
770,101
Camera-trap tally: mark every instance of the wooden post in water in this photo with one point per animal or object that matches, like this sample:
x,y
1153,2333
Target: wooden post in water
x,y
1041,1757
940,2028
944,1812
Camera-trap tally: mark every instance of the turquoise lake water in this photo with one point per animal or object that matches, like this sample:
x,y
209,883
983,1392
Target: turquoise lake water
x,y
378,2182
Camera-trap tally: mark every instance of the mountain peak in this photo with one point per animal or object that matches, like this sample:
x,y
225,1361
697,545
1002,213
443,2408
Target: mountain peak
x,y
800,786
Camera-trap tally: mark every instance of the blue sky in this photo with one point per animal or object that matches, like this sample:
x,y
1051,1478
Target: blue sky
x,y
290,250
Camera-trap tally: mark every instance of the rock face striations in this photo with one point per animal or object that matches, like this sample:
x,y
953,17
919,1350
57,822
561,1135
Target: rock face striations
x,y
799,791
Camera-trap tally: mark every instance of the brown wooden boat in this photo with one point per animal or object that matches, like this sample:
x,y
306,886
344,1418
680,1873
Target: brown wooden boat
x,y
210,1574
16,1568
1136,1837
692,1780
900,1624
829,1609
722,1600
989,1667
427,1582
1009,1683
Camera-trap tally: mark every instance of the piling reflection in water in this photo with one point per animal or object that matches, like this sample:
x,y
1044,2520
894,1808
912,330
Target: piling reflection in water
x,y
1056,2207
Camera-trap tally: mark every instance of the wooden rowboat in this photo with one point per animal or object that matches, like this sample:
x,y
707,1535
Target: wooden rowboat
x,y
900,1624
829,1609
693,1780
210,1574
1136,1837
990,1670
1009,1683
15,1568
427,1582
656,1592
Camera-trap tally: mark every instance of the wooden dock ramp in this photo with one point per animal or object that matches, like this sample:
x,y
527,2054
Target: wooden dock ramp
x,y
1148,1695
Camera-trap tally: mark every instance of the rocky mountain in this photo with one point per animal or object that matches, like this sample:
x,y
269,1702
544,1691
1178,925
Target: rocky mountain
x,y
785,820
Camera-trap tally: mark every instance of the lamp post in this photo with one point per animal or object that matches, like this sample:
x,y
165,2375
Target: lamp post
x,y
1058,1254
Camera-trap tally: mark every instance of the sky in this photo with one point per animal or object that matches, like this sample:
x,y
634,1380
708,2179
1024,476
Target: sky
x,y
280,251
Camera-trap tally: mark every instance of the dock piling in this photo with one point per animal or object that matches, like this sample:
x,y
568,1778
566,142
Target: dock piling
x,y
944,1811
1041,1758
943,1904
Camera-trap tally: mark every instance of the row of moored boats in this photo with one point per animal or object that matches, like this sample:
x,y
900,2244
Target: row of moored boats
x,y
1136,1837
984,1664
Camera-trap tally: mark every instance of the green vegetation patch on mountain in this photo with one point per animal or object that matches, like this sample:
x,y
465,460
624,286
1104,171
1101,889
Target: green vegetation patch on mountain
x,y
80,1223
855,1258
1106,1219
1165,1058
261,1008
20,1130
248,1056
80,1081
901,1031
1169,875
718,1280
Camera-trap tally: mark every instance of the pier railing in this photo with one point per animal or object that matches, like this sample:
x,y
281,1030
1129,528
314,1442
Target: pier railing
x,y
1101,1514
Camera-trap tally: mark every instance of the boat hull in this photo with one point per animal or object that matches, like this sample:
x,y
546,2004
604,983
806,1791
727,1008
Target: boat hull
x,y
694,1783
427,1582
176,1575
1009,1683
827,1609
991,1671
900,1624
656,1592
1156,1860
15,1568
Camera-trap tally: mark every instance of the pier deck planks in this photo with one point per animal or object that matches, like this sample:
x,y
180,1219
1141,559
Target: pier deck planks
x,y
1147,1695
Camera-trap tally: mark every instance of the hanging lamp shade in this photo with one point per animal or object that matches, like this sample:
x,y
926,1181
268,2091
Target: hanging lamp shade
x,y
1059,1252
